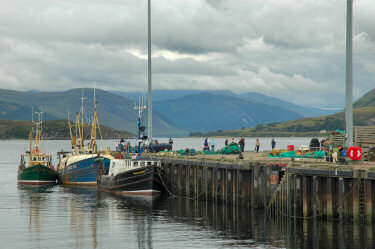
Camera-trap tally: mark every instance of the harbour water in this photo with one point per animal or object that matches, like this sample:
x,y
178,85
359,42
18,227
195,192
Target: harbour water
x,y
76,217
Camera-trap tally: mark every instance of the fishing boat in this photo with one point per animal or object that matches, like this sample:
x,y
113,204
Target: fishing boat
x,y
80,166
133,175
35,167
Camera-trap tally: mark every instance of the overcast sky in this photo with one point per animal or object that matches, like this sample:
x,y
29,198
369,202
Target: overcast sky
x,y
291,49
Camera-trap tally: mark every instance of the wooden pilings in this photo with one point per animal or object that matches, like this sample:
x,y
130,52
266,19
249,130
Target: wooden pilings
x,y
290,192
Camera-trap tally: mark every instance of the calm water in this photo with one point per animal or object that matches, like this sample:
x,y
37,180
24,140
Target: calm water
x,y
66,217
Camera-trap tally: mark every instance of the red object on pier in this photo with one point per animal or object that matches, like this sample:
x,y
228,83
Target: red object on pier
x,y
355,153
290,147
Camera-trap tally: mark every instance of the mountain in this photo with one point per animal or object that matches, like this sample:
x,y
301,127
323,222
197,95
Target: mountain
x,y
205,112
368,100
52,129
363,115
158,95
162,95
304,111
113,110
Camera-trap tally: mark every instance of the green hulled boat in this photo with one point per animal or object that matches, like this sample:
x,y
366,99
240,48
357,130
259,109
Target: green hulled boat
x,y
35,167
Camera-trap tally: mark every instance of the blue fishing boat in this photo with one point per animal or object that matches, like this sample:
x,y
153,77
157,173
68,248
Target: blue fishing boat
x,y
80,166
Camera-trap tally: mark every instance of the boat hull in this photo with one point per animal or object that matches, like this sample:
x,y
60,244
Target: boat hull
x,y
83,171
144,181
37,175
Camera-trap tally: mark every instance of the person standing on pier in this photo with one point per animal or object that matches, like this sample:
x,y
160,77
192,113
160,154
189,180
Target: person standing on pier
x,y
213,145
226,142
242,144
257,145
273,143
170,141
205,144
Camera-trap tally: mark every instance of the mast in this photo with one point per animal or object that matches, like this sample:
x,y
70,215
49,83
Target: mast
x,y
94,127
149,74
349,75
141,128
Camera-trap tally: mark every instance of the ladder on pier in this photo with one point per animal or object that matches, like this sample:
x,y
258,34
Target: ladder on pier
x,y
362,199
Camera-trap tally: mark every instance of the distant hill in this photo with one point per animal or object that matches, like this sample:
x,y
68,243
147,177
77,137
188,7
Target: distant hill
x,y
52,129
205,112
162,95
158,95
300,127
113,110
368,100
304,111
364,115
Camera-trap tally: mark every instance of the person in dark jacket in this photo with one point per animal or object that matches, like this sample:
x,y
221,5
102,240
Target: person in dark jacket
x,y
170,141
273,143
226,142
242,144
205,145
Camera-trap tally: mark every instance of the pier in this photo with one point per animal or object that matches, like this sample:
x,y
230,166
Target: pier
x,y
305,189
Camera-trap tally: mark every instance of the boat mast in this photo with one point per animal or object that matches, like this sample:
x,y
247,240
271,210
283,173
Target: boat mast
x,y
141,107
94,127
349,75
149,75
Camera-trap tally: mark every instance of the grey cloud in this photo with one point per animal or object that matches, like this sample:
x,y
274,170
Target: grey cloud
x,y
276,47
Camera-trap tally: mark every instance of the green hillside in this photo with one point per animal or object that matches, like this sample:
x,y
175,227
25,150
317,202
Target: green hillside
x,y
368,100
113,110
52,129
301,127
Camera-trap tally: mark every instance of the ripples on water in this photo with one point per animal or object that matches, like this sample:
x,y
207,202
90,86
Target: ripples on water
x,y
82,217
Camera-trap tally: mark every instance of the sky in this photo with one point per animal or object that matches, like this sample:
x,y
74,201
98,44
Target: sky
x,y
290,49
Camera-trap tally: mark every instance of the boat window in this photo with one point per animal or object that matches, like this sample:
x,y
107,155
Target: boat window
x,y
135,163
148,163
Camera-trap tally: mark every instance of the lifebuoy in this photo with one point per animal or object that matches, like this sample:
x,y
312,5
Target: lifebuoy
x,y
36,150
355,153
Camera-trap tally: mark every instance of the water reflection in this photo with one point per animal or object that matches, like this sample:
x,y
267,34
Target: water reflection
x,y
85,218
33,201
252,228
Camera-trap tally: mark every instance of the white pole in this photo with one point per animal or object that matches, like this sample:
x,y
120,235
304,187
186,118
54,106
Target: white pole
x,y
349,75
149,75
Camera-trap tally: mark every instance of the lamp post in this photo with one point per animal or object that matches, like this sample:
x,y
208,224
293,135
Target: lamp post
x,y
349,75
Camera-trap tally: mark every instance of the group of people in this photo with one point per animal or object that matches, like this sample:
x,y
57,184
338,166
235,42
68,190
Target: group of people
x,y
209,143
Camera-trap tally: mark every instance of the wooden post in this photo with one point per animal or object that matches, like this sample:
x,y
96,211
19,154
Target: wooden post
x,y
255,195
206,182
290,195
265,183
187,180
179,179
304,196
368,198
213,184
341,193
295,196
251,181
314,197
355,195
328,191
